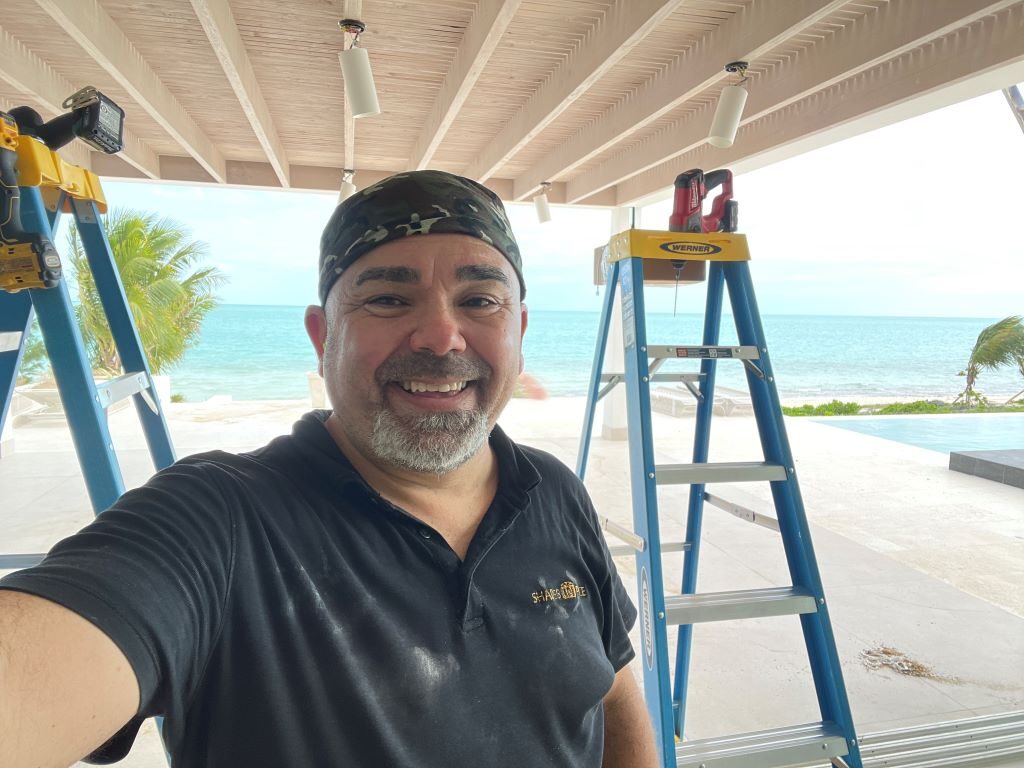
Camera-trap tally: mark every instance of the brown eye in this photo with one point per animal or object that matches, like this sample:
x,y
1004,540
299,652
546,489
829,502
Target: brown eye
x,y
386,301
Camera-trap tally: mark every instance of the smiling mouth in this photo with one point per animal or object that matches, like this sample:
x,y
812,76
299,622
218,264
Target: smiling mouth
x,y
423,386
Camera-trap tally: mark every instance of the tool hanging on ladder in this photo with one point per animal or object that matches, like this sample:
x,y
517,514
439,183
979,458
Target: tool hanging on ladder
x,y
27,259
692,188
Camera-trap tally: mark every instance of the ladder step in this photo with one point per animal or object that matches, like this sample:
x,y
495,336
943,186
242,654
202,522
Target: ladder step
x,y
663,352
792,745
722,472
655,377
740,604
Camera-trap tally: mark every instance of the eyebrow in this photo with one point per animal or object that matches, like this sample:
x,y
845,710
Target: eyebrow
x,y
389,275
482,273
470,273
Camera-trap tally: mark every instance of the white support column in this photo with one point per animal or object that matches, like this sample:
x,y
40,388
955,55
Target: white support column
x,y
613,421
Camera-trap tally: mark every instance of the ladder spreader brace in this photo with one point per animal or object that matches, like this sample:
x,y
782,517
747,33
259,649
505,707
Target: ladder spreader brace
x,y
833,738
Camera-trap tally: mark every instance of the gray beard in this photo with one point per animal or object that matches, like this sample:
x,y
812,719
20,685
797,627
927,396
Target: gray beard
x,y
435,444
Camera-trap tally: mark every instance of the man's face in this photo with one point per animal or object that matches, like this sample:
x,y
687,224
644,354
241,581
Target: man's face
x,y
420,346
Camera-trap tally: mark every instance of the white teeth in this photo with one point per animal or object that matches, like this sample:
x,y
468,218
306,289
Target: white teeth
x,y
419,386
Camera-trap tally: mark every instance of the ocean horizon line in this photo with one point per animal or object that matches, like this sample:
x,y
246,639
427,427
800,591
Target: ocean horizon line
x,y
681,314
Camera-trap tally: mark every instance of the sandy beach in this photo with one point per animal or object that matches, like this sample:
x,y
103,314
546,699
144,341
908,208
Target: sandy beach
x,y
919,561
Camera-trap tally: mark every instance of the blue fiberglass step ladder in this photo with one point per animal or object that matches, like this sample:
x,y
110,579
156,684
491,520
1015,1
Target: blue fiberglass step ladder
x,y
726,257
34,196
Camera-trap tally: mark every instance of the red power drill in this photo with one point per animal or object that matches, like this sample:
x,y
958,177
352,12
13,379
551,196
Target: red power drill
x,y
687,210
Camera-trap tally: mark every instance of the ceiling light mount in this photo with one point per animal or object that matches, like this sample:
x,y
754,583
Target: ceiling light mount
x,y
737,68
348,185
353,27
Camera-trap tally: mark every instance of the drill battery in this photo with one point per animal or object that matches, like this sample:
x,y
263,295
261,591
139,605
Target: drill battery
x,y
31,264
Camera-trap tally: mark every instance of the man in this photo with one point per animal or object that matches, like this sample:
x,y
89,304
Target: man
x,y
394,584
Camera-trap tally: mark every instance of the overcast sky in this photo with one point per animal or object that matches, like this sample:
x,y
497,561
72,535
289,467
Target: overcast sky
x,y
922,218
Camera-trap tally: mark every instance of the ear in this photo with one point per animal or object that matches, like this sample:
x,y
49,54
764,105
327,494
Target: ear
x,y
316,328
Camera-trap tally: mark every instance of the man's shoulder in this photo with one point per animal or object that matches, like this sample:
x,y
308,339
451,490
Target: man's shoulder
x,y
553,473
545,462
219,467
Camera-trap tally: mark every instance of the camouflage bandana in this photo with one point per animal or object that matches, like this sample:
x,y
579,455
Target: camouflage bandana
x,y
414,203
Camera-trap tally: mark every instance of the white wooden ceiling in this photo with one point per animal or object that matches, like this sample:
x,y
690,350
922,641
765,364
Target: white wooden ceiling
x,y
606,99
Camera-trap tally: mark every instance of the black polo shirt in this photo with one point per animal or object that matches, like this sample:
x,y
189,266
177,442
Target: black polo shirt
x,y
279,612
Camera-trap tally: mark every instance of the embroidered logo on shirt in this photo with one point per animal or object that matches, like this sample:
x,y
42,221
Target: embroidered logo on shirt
x,y
567,591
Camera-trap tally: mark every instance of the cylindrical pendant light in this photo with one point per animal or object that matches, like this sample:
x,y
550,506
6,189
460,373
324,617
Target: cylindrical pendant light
x,y
360,92
348,187
540,202
729,111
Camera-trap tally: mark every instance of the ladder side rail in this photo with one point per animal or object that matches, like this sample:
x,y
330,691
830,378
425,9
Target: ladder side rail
x,y
15,318
695,512
817,629
122,328
63,340
650,580
593,394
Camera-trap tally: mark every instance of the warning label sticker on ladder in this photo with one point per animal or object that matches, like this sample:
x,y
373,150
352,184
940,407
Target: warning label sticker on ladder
x,y
646,610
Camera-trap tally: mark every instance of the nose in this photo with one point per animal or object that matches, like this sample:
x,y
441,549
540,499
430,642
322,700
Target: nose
x,y
438,330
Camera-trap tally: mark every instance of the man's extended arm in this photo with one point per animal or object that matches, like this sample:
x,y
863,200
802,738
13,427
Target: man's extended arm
x,y
65,687
628,735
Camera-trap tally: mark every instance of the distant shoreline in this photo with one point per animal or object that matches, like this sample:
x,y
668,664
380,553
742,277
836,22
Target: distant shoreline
x,y
725,313
865,400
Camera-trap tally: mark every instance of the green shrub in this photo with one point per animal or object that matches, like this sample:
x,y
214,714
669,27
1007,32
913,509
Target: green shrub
x,y
834,408
917,406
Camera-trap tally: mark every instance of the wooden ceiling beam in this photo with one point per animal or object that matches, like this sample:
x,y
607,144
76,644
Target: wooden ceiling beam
x,y
623,27
305,178
751,33
219,24
91,27
968,62
28,73
481,38
891,31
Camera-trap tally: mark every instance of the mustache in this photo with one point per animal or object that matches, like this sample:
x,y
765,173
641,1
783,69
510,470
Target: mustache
x,y
424,365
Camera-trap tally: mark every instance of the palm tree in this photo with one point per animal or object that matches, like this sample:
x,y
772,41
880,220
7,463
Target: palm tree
x,y
1018,358
169,293
999,344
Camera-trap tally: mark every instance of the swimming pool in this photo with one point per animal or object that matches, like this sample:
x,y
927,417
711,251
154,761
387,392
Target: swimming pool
x,y
941,432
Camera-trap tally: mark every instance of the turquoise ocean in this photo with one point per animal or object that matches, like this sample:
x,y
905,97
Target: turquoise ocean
x,y
262,353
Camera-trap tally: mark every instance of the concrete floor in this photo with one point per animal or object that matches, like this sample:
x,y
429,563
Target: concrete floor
x,y
918,560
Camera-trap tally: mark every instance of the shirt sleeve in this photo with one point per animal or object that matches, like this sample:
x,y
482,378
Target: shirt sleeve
x,y
153,573
619,612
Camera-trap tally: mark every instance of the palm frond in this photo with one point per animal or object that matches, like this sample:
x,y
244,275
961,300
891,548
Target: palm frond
x,y
168,291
